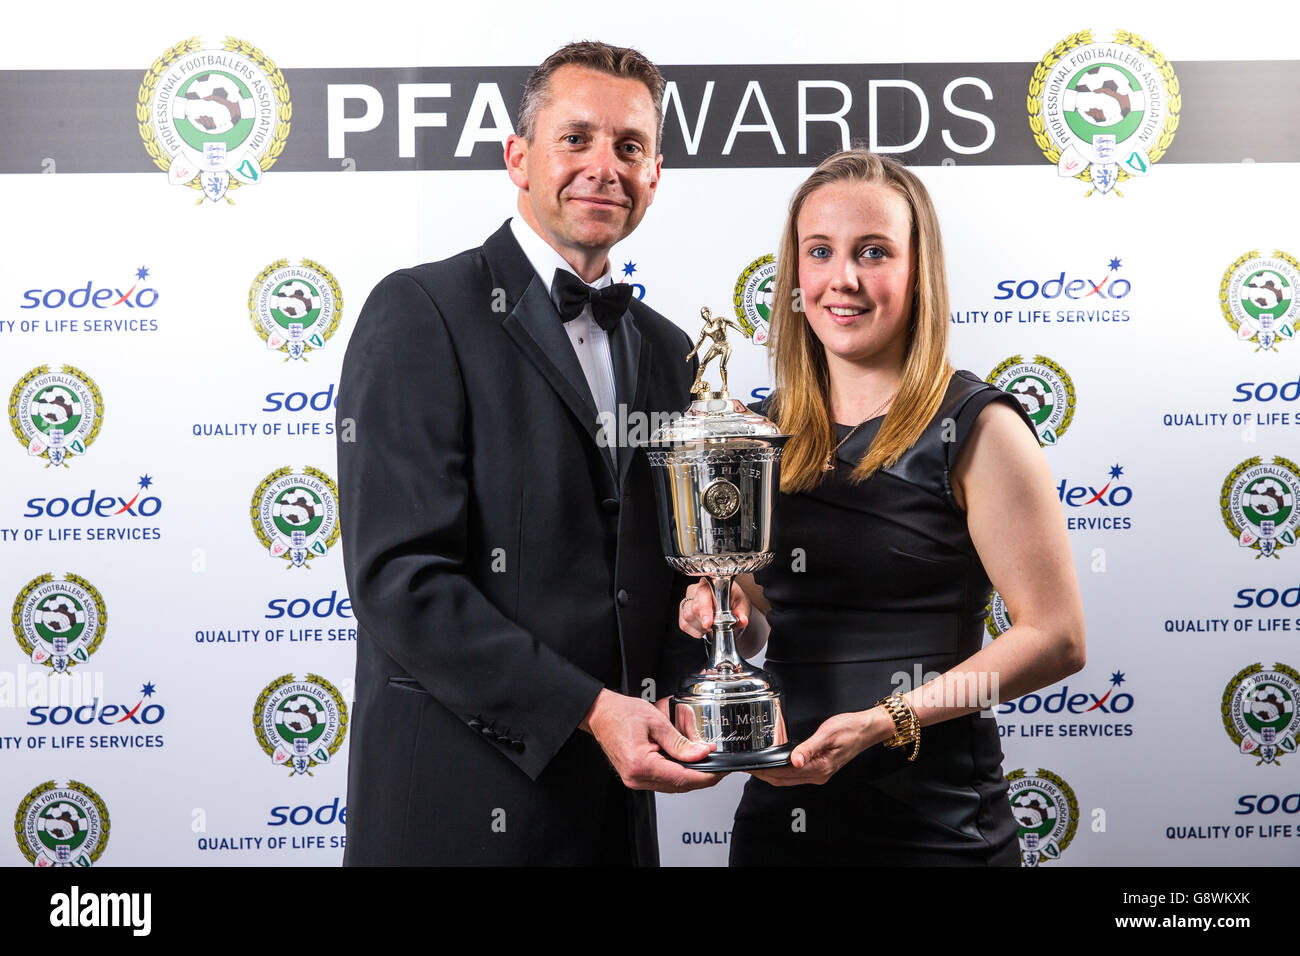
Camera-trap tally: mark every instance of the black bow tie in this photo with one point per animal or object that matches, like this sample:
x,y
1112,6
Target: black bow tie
x,y
570,294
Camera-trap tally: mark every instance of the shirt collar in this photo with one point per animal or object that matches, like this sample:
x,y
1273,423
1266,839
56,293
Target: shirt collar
x,y
544,259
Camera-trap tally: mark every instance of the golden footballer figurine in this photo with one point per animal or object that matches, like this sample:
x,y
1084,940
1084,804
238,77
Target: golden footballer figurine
x,y
715,328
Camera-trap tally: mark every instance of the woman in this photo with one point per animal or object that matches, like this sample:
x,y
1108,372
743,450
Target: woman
x,y
907,488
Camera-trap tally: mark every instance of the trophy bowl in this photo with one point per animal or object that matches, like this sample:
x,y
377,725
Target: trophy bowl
x,y
716,470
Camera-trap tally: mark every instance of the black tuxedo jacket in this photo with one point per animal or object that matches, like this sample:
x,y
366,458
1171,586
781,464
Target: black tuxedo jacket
x,y
502,569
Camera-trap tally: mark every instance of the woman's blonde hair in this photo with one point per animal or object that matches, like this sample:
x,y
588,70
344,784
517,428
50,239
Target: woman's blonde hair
x,y
801,397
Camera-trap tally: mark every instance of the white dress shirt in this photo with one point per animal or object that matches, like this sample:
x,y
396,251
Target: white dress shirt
x,y
590,341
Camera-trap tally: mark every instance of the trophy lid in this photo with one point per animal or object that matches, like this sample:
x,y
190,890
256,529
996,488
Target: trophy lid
x,y
715,419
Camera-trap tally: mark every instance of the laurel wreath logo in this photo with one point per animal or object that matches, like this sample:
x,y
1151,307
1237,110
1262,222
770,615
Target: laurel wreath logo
x,y
1225,495
15,397
264,698
1067,383
1072,803
100,609
255,508
1230,692
1225,285
1034,101
279,86
738,294
275,267
39,791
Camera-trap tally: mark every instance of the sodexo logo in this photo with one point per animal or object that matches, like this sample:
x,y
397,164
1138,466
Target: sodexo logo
x,y
1267,392
1110,497
1269,597
319,401
1064,701
328,606
294,411
99,713
638,289
1267,803
1063,286
93,295
1103,111
334,812
92,503
214,115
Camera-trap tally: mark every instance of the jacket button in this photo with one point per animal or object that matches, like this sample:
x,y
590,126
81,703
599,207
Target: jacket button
x,y
610,505
476,724
487,731
623,597
517,746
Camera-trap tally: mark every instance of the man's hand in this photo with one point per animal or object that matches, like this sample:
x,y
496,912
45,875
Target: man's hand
x,y
632,732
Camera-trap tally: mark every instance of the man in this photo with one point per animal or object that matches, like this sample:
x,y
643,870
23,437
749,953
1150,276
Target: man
x,y
502,553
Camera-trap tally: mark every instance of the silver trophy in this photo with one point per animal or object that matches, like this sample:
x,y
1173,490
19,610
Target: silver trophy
x,y
716,470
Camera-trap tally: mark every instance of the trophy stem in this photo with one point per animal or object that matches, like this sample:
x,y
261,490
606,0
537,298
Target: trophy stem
x,y
725,657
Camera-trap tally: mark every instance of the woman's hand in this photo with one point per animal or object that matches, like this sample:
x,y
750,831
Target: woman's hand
x,y
837,741
695,614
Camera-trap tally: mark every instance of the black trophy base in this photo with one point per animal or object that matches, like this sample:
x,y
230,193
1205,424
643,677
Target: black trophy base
x,y
718,762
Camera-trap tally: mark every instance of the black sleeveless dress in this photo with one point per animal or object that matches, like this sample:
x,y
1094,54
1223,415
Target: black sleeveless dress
x,y
871,580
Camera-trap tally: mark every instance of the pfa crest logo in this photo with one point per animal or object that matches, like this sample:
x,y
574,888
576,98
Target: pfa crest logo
x,y
1103,111
997,620
296,514
56,415
1047,813
300,724
1258,504
1259,711
752,298
295,309
62,826
59,624
1258,298
1044,390
213,115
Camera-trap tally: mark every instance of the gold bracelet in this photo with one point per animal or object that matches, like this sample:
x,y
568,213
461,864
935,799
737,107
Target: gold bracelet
x,y
907,729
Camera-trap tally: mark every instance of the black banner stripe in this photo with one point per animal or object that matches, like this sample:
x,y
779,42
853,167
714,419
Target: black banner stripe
x,y
84,121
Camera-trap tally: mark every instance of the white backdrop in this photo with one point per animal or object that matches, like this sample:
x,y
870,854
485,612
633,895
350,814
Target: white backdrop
x,y
1159,782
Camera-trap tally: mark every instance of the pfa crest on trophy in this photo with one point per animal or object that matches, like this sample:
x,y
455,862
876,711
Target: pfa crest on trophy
x,y
716,470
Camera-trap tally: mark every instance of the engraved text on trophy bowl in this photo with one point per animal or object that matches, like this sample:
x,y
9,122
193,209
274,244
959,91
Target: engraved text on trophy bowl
x,y
719,501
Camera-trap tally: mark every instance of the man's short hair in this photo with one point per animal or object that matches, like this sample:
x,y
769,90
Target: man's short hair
x,y
617,61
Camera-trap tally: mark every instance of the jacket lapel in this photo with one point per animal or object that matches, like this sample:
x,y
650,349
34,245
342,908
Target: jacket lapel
x,y
631,372
535,327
